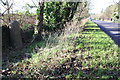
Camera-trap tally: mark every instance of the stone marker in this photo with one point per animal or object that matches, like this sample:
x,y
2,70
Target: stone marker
x,y
15,34
5,37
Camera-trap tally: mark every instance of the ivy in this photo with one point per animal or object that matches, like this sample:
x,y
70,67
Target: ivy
x,y
58,12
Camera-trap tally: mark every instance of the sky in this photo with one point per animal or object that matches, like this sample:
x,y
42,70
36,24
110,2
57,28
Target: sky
x,y
96,5
99,5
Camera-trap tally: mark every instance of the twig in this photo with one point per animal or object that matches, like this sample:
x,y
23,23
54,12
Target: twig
x,y
33,2
7,9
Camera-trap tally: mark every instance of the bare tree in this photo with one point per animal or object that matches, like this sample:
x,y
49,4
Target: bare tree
x,y
7,5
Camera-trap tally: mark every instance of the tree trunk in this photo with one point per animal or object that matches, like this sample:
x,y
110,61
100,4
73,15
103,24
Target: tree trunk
x,y
40,17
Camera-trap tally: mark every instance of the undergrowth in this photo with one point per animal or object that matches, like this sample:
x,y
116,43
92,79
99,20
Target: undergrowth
x,y
76,53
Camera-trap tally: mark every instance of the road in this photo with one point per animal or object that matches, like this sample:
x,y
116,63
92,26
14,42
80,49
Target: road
x,y
111,29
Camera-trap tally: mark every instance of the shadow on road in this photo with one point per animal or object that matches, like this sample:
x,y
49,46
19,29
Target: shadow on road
x,y
111,29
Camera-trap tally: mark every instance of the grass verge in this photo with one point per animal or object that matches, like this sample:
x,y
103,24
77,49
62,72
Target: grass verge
x,y
88,54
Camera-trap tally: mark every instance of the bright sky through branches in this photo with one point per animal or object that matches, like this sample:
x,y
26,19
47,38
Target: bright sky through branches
x,y
99,5
96,7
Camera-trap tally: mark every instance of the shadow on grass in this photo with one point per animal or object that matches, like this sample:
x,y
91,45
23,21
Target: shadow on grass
x,y
19,55
69,70
91,30
74,69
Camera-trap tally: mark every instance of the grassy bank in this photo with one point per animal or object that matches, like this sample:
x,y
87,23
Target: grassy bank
x,y
102,54
74,54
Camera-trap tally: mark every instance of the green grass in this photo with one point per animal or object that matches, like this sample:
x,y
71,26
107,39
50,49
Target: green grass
x,y
102,50
93,54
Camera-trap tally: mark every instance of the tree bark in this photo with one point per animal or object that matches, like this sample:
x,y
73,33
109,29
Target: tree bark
x,y
40,17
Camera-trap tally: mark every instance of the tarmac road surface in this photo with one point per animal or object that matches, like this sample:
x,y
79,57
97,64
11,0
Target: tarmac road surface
x,y
111,29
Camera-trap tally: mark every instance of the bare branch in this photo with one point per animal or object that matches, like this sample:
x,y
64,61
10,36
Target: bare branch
x,y
3,2
7,9
34,3
3,6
